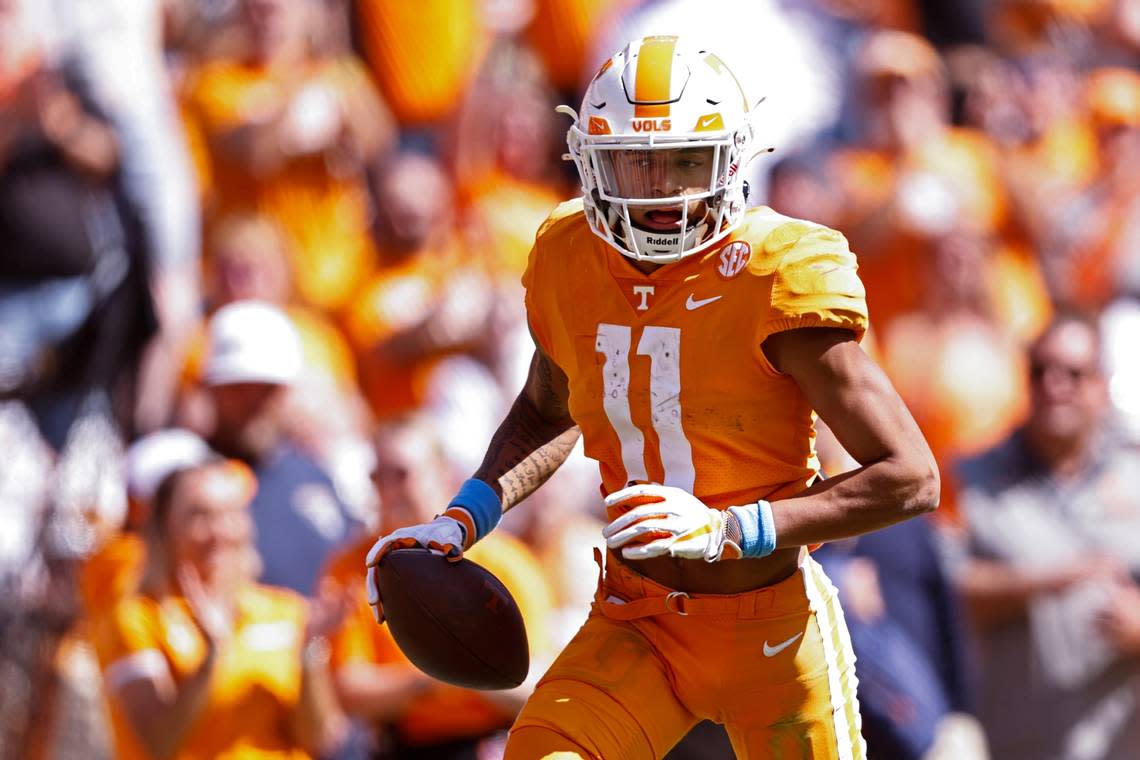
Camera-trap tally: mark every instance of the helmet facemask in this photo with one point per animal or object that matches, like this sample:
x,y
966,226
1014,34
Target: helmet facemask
x,y
692,186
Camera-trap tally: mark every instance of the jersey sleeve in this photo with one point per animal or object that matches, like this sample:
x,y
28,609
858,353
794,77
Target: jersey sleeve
x,y
129,644
815,283
545,268
534,285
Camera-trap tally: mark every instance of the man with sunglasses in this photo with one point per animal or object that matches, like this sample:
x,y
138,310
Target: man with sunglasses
x,y
1052,554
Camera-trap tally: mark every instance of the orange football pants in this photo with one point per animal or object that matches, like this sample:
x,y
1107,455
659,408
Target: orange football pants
x,y
774,665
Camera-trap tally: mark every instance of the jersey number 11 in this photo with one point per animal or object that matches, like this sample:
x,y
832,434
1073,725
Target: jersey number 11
x,y
663,347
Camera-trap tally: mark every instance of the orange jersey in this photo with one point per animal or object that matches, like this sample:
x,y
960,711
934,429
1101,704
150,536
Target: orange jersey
x,y
668,381
509,212
399,296
446,712
111,573
256,684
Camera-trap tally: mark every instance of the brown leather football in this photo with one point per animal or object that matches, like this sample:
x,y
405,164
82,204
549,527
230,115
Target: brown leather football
x,y
454,620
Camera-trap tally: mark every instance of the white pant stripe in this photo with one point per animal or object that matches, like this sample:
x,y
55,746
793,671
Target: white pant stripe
x,y
829,618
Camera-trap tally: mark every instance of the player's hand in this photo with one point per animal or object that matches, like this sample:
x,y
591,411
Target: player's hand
x,y
658,521
444,535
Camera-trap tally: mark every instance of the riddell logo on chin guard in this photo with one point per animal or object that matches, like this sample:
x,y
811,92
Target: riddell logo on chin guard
x,y
659,241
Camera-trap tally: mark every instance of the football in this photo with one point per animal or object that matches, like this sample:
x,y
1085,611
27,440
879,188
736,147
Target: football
x,y
454,620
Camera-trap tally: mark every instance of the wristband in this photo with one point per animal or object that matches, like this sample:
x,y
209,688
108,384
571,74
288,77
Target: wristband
x,y
757,529
480,501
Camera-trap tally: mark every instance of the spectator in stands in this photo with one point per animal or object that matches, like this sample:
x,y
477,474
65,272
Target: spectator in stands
x,y
328,417
424,718
74,308
1051,563
956,366
117,48
254,357
912,176
114,570
507,159
1096,235
906,631
915,673
203,662
508,179
248,261
428,299
289,134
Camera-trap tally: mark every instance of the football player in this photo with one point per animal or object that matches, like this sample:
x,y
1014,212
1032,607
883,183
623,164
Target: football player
x,y
692,342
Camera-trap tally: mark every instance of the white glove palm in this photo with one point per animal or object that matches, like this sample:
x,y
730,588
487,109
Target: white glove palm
x,y
666,521
443,535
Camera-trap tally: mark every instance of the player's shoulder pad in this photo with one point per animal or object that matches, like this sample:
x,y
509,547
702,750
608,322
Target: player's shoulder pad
x,y
565,216
812,265
770,234
781,243
554,236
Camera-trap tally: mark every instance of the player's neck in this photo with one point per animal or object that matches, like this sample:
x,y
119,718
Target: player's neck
x,y
646,267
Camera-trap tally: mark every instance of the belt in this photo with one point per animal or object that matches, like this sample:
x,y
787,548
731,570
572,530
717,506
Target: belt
x,y
660,600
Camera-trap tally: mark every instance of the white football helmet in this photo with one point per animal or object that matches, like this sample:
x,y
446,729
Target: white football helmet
x,y
664,129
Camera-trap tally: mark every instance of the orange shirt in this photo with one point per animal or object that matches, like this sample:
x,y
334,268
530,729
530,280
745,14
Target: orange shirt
x,y
446,712
256,683
111,573
668,381
962,377
422,54
956,169
1019,296
509,212
324,215
397,297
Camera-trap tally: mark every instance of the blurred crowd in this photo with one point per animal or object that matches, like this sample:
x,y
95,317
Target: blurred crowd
x,y
260,302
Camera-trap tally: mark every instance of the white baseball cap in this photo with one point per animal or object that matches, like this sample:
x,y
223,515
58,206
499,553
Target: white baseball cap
x,y
252,342
152,458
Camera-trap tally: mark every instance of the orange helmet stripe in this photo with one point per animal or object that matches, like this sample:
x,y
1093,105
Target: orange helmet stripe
x,y
654,73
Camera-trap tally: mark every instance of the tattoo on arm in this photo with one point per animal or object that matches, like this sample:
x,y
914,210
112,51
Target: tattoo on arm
x,y
535,437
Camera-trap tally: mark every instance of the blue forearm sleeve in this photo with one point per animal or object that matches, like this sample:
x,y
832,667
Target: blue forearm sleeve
x,y
482,503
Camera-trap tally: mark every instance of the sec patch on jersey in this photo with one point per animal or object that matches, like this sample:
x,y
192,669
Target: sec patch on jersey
x,y
455,621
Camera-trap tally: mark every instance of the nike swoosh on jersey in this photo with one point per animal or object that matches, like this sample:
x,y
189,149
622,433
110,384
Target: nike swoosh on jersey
x,y
693,303
707,121
770,651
